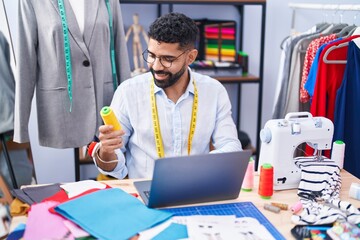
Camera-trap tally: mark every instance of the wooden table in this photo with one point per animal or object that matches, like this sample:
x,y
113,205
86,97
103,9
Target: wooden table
x,y
282,220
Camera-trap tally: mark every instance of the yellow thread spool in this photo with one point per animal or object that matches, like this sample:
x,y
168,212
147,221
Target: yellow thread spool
x,y
109,118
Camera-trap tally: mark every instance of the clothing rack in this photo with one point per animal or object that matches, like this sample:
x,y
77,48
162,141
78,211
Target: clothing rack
x,y
324,7
331,7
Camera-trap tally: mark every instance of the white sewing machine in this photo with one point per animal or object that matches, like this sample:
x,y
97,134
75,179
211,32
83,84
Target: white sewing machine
x,y
281,137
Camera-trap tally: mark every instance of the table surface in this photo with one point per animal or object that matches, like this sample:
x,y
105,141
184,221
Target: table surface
x,y
282,220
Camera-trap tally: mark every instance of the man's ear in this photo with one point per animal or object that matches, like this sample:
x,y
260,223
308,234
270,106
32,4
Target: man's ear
x,y
192,56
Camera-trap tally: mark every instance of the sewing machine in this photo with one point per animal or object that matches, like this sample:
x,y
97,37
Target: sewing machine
x,y
281,137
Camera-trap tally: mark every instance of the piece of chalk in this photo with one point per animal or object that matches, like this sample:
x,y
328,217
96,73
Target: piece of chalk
x,y
296,207
271,208
354,191
282,206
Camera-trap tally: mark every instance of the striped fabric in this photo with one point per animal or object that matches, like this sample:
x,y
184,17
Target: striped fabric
x,y
319,191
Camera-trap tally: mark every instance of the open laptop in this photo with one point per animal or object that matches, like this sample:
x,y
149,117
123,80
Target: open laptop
x,y
194,179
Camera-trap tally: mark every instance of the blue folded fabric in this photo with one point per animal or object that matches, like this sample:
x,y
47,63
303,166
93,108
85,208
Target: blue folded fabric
x,y
111,214
17,233
173,232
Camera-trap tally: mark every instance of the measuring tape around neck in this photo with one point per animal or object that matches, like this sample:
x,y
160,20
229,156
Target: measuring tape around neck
x,y
156,123
67,50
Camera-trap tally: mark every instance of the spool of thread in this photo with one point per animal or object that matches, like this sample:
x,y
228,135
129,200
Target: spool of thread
x,y
248,182
266,181
338,153
355,191
109,118
296,207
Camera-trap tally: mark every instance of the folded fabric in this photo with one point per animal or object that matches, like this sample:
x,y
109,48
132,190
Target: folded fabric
x,y
31,195
41,224
38,193
111,214
173,232
319,192
76,188
18,208
17,233
62,197
19,193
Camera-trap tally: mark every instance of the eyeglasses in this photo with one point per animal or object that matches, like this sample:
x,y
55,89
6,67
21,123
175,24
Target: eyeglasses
x,y
166,61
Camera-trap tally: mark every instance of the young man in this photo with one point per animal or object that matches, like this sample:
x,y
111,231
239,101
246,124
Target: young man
x,y
168,111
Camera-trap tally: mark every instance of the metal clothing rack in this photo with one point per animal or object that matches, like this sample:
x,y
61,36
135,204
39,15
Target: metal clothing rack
x,y
323,7
331,7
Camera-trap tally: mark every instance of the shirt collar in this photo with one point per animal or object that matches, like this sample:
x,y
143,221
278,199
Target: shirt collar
x,y
189,88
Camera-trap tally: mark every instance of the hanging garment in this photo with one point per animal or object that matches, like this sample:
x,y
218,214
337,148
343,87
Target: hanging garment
x,y
41,66
284,72
328,79
7,88
311,79
347,114
297,64
309,58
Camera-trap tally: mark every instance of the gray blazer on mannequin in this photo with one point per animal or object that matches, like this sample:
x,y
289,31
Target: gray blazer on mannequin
x,y
41,66
7,88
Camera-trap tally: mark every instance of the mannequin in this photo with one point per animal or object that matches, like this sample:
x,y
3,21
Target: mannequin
x,y
68,107
137,29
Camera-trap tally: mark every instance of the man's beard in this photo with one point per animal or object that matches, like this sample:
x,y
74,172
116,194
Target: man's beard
x,y
172,77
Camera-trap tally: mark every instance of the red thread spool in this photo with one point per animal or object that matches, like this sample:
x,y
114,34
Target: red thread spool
x,y
266,181
248,182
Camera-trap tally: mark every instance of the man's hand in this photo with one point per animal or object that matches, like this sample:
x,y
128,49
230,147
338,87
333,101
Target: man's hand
x,y
110,141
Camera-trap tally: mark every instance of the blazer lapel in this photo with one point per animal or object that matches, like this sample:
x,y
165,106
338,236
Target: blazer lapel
x,y
91,13
73,26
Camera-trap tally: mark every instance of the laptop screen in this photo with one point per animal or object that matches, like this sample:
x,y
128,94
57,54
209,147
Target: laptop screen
x,y
196,178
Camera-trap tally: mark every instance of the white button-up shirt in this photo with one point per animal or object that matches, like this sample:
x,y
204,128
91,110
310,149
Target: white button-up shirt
x,y
132,106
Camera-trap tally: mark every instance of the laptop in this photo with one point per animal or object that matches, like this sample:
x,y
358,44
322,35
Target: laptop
x,y
194,179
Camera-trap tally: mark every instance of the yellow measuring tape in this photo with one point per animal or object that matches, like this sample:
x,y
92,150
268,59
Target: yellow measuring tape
x,y
156,124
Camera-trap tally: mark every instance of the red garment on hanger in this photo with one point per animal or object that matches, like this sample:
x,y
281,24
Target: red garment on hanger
x,y
328,80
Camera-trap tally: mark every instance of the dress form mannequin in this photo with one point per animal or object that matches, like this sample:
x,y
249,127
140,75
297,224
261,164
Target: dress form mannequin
x,y
137,29
67,109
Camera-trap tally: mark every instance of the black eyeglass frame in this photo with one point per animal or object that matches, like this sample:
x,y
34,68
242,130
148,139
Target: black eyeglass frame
x,y
161,58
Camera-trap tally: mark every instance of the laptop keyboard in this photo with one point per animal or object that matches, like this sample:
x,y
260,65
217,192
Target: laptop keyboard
x,y
147,194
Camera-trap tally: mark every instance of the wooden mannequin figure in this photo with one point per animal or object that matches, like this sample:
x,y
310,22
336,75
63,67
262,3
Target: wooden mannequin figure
x,y
137,29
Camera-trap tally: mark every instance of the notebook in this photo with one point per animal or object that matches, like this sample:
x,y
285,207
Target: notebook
x,y
194,179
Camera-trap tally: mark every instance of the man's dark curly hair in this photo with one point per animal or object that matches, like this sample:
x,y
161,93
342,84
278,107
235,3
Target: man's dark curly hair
x,y
174,28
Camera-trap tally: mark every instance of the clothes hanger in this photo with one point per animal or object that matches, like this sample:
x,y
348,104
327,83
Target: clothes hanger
x,y
327,61
345,32
337,27
322,26
333,48
351,32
